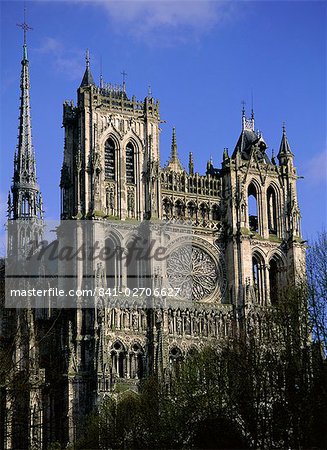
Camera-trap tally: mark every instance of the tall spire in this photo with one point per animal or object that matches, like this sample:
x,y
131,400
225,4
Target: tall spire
x,y
26,199
174,163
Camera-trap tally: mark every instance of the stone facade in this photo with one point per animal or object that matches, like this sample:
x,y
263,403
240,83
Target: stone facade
x,y
246,245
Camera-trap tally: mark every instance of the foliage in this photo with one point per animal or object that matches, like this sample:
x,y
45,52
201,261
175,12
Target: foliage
x,y
258,390
264,388
317,287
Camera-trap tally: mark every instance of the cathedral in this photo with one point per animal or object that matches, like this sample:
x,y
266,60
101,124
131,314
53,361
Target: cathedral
x,y
232,238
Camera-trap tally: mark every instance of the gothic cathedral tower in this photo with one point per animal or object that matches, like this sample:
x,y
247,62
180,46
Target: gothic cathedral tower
x,y
245,228
264,245
111,151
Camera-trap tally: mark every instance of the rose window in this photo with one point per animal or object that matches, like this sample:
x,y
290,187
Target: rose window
x,y
193,271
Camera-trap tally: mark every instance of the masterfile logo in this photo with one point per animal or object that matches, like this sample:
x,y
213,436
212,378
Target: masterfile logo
x,y
85,263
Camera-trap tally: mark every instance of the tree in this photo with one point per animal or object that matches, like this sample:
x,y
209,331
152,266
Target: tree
x,y
317,288
266,387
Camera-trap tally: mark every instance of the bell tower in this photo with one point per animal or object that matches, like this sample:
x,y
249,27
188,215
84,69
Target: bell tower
x,y
111,155
264,246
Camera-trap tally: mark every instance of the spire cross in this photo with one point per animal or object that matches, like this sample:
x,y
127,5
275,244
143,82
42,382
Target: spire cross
x,y
24,26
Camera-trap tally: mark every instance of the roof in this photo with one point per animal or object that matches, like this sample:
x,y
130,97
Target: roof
x,y
87,78
245,142
284,149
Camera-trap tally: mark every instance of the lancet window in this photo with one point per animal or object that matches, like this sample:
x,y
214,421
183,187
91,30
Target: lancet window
x,y
130,156
253,216
109,159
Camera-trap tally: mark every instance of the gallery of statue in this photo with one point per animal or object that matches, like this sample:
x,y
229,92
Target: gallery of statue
x,y
246,245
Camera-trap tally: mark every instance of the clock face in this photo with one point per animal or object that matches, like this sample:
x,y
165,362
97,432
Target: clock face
x,y
195,273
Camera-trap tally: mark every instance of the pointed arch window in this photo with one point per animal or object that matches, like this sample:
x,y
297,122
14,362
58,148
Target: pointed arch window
x,y
258,274
137,265
136,361
130,176
203,211
276,280
175,360
179,208
113,262
167,208
272,210
191,210
253,208
109,160
215,213
118,359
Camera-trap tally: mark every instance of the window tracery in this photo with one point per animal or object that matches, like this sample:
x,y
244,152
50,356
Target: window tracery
x,y
118,359
193,271
258,273
253,216
276,278
109,159
130,156
136,361
271,210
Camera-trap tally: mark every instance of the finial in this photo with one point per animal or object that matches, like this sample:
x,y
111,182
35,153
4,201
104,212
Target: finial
x,y
174,136
252,107
124,74
101,77
149,91
173,145
209,165
211,160
174,163
191,164
87,58
9,205
25,27
243,108
284,128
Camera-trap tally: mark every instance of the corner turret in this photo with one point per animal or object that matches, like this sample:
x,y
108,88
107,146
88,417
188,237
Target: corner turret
x,y
285,154
87,78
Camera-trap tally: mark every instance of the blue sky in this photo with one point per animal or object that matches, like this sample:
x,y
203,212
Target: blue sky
x,y
201,59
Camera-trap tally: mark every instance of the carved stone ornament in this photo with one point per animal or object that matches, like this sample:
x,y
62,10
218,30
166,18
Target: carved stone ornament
x,y
192,270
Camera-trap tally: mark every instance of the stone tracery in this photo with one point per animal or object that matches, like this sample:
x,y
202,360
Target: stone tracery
x,y
193,271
